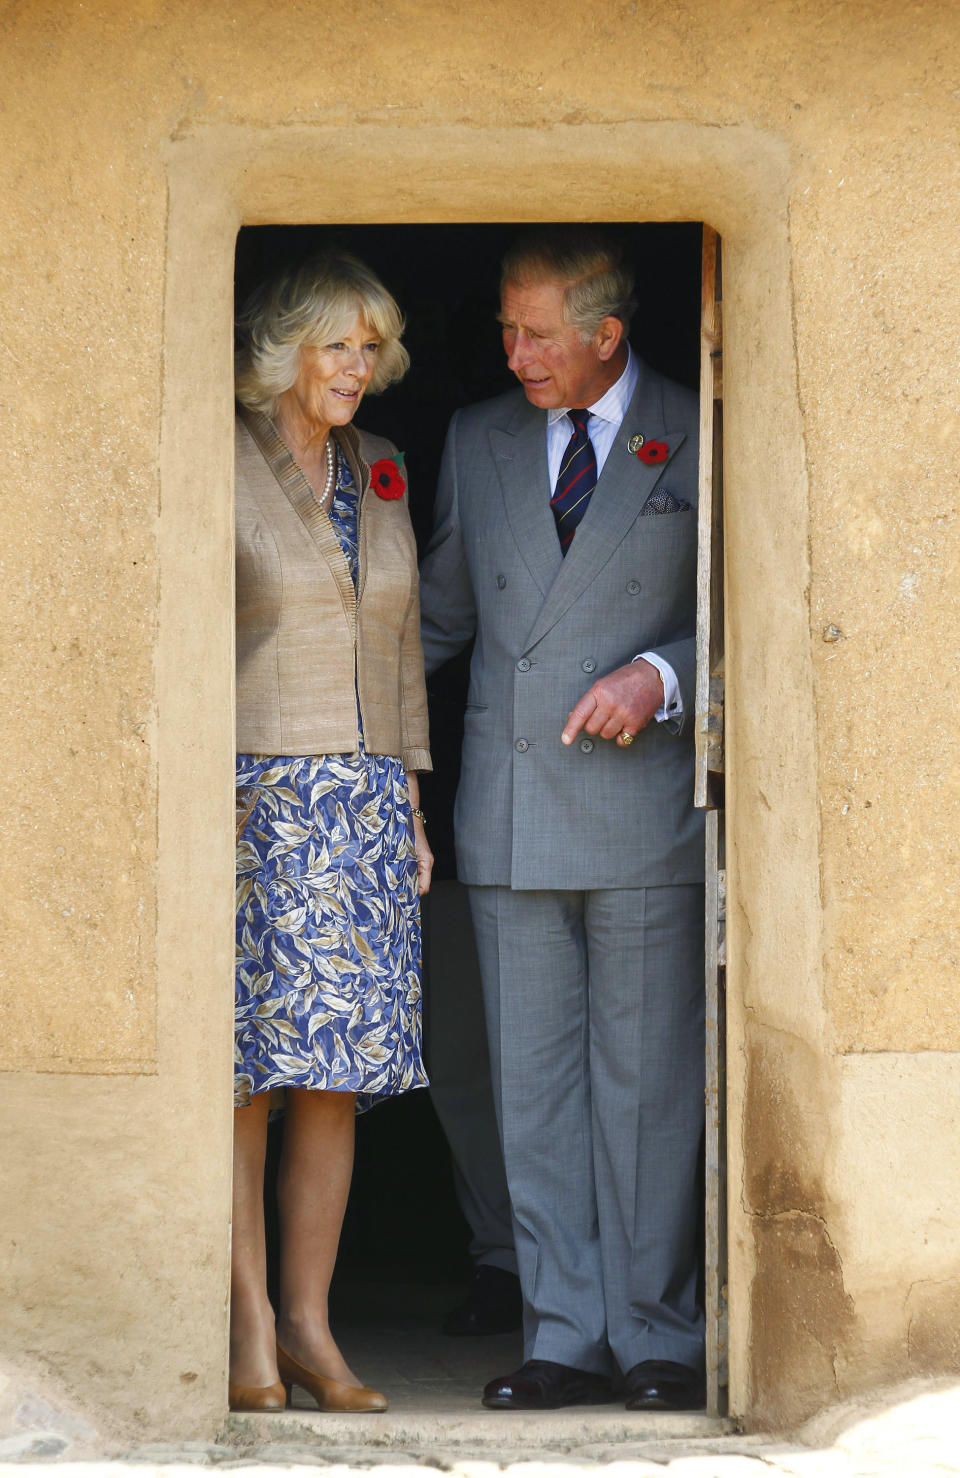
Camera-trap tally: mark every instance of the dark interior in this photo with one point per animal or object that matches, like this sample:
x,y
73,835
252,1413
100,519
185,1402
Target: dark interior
x,y
403,1223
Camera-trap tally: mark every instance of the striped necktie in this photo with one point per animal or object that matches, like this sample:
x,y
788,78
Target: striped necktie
x,y
576,481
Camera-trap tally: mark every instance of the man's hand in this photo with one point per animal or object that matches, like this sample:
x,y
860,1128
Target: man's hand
x,y
623,701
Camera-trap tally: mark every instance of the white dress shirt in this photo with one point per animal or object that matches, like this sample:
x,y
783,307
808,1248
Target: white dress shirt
x,y
606,417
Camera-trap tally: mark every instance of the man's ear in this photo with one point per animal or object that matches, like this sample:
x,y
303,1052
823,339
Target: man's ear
x,y
609,337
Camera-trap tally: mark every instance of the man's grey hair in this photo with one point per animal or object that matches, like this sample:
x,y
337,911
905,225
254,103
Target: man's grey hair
x,y
313,304
591,263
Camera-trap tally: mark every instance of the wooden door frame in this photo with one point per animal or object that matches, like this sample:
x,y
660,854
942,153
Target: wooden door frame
x,y
709,795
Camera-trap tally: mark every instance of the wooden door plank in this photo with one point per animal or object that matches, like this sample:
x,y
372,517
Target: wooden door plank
x,y
708,786
715,1147
709,794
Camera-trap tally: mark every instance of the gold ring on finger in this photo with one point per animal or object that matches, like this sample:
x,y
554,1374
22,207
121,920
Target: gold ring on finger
x,y
626,737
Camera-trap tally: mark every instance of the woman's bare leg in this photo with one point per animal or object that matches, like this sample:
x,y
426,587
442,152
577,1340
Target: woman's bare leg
x,y
253,1350
314,1181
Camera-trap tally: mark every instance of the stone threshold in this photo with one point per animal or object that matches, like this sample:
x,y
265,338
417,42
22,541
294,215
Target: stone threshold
x,y
433,1431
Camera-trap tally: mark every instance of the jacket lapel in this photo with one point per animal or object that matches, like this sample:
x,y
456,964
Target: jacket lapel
x,y
520,455
624,486
301,497
348,442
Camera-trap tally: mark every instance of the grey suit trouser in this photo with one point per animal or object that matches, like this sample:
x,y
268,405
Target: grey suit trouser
x,y
595,1018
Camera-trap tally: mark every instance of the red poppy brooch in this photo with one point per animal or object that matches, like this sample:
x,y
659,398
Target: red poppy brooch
x,y
653,451
385,478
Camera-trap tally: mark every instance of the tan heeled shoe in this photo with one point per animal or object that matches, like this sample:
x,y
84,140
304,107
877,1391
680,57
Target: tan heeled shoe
x,y
330,1395
257,1398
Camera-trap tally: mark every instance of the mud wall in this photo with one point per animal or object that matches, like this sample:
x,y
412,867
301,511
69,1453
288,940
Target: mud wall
x,y
822,142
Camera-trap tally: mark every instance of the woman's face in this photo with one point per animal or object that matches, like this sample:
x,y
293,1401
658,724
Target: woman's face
x,y
334,376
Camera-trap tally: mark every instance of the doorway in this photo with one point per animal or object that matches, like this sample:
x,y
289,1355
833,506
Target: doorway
x,y
405,1242
424,169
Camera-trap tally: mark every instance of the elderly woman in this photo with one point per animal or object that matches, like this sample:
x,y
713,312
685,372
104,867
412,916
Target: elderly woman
x,y
331,852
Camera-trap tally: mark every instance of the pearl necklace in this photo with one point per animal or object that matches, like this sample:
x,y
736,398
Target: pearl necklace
x,y
326,497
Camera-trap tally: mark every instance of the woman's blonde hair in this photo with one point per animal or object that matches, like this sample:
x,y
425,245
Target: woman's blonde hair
x,y
312,304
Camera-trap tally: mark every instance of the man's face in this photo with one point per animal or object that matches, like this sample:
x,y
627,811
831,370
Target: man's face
x,y
548,356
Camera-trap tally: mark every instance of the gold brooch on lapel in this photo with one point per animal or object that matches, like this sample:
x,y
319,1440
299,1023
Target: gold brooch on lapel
x,y
635,443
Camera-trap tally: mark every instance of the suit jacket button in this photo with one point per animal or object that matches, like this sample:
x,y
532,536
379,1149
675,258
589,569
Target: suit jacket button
x,y
522,745
586,746
633,587
588,665
501,581
524,664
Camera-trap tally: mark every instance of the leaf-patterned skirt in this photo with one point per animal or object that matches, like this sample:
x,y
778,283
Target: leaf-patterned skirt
x,y
328,928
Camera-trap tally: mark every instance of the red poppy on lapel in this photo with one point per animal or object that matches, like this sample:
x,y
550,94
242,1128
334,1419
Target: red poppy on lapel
x,y
653,451
385,478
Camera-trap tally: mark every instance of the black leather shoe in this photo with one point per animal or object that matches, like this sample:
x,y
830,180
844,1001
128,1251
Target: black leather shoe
x,y
493,1304
663,1385
542,1385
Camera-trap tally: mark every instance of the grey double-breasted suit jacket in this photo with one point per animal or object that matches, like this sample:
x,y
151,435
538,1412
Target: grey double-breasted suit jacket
x,y
530,812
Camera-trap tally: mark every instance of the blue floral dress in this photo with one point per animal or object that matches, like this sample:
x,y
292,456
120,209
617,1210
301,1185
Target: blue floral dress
x,y
328,917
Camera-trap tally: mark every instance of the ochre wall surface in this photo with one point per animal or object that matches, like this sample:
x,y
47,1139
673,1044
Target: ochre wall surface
x,y
822,141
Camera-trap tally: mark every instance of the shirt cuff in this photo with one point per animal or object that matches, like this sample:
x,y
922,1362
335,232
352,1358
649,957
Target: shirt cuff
x,y
672,705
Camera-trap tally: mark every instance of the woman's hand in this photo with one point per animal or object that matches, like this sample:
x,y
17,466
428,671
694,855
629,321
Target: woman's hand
x,y
424,854
424,857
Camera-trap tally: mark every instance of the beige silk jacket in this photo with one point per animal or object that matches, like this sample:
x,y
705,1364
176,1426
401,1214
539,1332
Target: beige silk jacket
x,y
307,640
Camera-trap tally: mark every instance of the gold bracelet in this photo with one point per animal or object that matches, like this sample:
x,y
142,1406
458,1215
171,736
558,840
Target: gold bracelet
x,y
416,811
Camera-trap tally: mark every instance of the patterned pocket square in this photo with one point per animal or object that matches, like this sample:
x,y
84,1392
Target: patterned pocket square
x,y
662,501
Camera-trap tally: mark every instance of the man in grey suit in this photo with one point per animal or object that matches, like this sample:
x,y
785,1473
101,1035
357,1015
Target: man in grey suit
x,y
565,544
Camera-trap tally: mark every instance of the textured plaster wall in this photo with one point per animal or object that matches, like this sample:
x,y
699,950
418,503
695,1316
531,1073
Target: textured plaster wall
x,y
822,141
